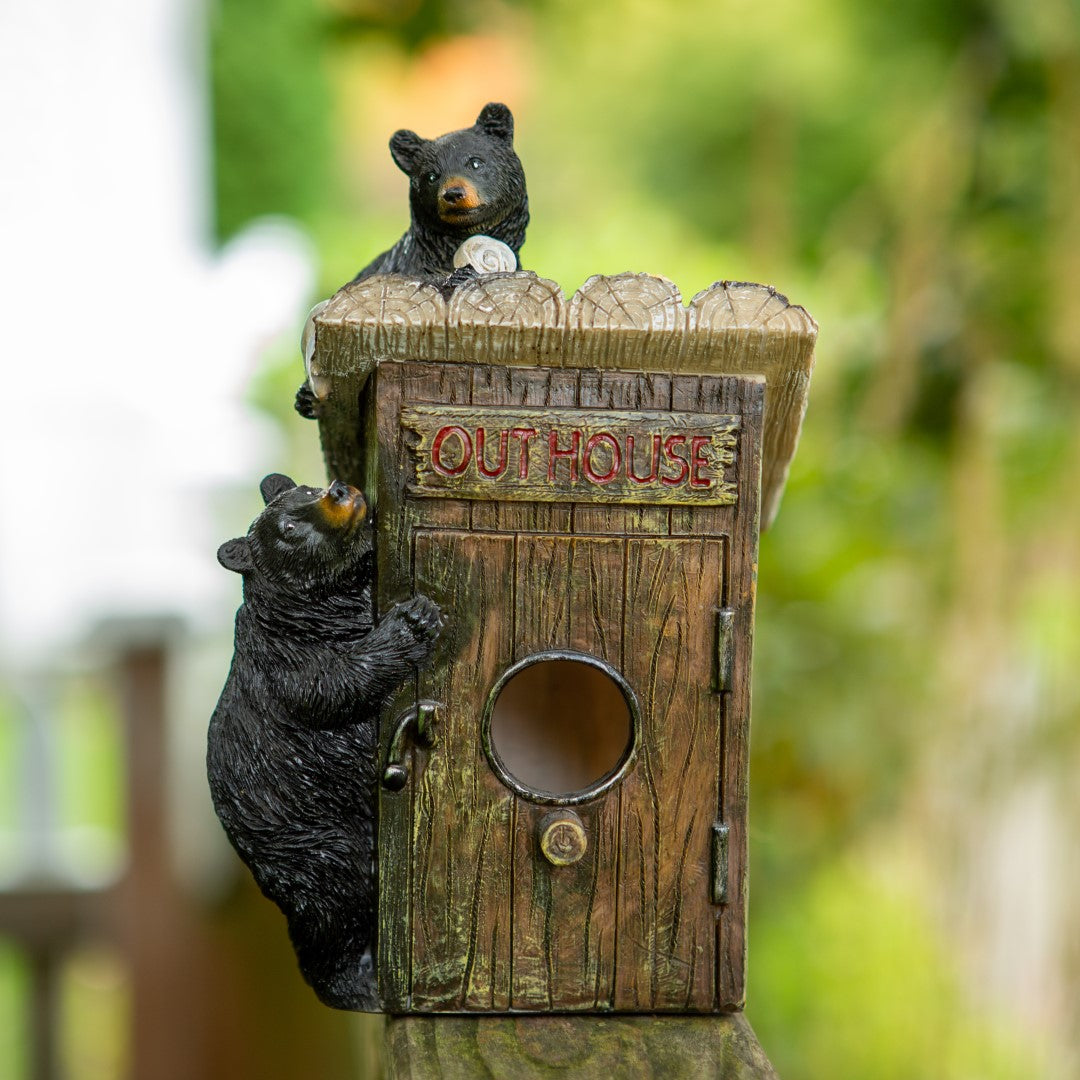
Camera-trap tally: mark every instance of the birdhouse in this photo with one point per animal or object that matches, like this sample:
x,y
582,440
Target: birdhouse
x,y
579,485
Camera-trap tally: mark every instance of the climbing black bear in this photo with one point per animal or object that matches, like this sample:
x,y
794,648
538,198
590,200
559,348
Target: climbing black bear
x,y
464,184
292,751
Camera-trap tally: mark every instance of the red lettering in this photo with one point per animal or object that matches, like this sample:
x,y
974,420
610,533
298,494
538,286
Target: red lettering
x,y
436,450
572,454
523,434
697,462
586,458
481,464
673,443
630,461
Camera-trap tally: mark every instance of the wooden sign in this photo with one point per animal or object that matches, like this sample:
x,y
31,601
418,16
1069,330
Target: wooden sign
x,y
571,455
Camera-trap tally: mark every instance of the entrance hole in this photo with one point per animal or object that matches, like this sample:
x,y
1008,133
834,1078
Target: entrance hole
x,y
561,727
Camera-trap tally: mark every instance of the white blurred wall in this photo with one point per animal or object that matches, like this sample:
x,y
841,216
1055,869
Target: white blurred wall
x,y
127,342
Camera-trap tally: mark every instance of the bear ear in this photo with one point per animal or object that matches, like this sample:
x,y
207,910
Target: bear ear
x,y
496,120
405,147
235,555
273,485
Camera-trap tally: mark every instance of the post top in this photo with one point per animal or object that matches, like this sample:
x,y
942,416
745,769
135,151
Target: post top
x,y
626,322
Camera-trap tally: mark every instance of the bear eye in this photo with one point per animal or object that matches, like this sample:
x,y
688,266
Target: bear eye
x,y
475,162
288,527
431,177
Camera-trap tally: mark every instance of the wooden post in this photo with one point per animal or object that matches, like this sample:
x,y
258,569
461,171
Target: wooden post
x,y
156,929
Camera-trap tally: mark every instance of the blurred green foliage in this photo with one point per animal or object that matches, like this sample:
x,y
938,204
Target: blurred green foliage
x,y
910,174
271,110
14,993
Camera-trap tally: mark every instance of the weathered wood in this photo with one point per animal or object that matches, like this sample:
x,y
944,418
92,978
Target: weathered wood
x,y
478,918
667,949
740,327
624,390
631,322
502,318
461,844
640,319
565,917
379,318
523,386
588,456
743,396
421,382
738,595
586,1048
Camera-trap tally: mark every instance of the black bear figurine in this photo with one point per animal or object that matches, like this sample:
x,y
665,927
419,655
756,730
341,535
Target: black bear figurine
x,y
463,184
292,749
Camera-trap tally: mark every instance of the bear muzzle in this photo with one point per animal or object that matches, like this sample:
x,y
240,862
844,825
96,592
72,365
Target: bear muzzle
x,y
458,198
342,506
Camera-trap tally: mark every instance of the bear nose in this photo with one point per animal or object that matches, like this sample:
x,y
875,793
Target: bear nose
x,y
453,195
339,491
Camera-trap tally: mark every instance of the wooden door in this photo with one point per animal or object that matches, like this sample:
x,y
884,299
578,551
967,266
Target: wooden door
x,y
472,915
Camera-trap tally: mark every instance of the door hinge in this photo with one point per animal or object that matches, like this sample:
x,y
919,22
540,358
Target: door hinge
x,y
725,649
719,860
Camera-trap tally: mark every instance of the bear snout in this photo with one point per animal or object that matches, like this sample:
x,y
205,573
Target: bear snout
x,y
342,506
458,196
340,491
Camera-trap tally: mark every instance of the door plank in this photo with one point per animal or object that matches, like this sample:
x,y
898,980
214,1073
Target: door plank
x,y
461,821
745,396
667,948
569,597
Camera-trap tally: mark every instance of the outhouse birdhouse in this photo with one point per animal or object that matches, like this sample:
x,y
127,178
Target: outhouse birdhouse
x,y
579,485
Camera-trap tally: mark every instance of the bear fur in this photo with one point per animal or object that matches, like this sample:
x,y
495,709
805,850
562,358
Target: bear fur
x,y
292,754
463,184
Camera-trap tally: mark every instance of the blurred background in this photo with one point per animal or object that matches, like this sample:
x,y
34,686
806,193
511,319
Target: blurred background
x,y
183,179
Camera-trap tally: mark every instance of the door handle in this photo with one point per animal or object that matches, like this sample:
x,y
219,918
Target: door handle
x,y
415,726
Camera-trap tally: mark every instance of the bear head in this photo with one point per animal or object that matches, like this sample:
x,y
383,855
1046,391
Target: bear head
x,y
305,540
467,182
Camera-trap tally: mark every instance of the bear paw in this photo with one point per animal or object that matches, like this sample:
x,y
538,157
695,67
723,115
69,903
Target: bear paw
x,y
416,624
353,986
461,276
306,403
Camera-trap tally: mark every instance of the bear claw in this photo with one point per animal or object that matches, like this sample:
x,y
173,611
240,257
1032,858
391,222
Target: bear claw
x,y
306,403
422,615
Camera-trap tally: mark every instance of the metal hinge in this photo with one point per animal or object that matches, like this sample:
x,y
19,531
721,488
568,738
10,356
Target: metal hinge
x,y
725,649
719,861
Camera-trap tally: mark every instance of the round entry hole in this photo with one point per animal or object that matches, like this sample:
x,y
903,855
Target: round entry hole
x,y
561,727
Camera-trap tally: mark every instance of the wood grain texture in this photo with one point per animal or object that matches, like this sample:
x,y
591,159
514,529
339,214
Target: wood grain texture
x,y
461,845
380,318
585,1048
632,322
739,327
569,596
667,950
523,386
640,318
416,383
499,453
502,317
395,525
740,594
472,916
623,390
